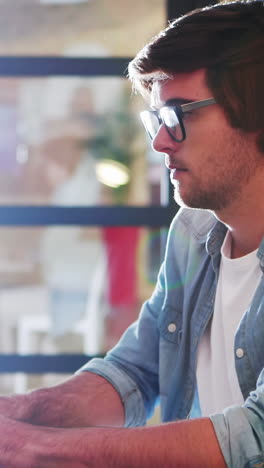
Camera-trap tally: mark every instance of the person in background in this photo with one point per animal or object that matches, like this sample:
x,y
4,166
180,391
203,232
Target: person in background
x,y
198,345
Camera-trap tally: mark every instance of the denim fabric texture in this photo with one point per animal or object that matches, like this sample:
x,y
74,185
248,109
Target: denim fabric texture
x,y
155,360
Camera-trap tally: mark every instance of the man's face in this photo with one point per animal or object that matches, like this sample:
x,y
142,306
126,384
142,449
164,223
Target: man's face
x,y
215,164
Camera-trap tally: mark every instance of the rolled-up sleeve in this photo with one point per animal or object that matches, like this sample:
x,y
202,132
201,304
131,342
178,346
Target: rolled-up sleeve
x,y
135,414
240,430
132,366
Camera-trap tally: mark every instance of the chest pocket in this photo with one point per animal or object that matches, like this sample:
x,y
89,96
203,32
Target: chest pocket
x,y
170,325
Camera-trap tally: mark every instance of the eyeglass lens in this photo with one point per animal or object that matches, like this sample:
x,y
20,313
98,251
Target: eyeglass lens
x,y
168,116
151,122
171,121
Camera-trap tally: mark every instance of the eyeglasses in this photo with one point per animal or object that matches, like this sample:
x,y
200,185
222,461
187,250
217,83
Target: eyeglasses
x,y
171,116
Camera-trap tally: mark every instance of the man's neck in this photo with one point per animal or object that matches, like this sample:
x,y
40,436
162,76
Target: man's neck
x,y
246,227
238,250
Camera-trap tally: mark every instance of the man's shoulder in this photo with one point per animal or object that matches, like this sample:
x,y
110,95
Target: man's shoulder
x,y
196,222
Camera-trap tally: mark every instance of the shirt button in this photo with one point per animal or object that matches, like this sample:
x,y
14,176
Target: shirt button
x,y
239,352
172,327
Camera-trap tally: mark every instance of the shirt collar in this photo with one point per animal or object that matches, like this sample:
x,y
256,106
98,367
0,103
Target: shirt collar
x,y
215,239
260,255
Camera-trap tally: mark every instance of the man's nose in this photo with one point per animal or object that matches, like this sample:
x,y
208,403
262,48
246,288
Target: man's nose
x,y
162,142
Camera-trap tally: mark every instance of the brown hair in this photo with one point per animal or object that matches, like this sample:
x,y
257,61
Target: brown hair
x,y
227,40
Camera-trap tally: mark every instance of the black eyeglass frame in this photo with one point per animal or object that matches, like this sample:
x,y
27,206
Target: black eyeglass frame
x,y
179,110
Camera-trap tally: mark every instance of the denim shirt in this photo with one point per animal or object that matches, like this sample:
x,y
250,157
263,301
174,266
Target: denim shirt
x,y
155,360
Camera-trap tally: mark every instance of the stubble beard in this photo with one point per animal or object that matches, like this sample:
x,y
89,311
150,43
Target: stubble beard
x,y
224,185
209,199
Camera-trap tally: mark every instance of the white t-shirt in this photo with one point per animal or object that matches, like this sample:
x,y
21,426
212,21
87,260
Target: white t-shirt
x,y
217,380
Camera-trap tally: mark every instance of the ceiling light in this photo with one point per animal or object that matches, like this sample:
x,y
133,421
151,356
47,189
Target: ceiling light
x,y
112,173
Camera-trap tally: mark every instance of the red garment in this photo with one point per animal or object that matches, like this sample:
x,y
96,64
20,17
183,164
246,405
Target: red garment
x,y
121,247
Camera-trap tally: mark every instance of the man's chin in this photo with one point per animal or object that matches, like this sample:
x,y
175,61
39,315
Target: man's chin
x,y
190,202
181,200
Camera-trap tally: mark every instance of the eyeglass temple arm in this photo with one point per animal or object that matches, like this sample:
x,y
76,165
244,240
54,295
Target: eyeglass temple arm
x,y
198,104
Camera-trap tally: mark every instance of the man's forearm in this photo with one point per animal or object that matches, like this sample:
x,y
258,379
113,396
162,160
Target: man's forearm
x,y
84,400
181,444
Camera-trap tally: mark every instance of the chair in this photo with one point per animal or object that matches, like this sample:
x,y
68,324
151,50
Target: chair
x,y
90,327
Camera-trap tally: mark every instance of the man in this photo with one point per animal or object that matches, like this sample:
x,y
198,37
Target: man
x,y
198,344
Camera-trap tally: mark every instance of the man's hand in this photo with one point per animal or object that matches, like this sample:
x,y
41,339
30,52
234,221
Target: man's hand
x,y
26,446
14,445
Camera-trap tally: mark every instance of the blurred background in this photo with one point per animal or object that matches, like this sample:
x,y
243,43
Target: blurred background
x,y
74,141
